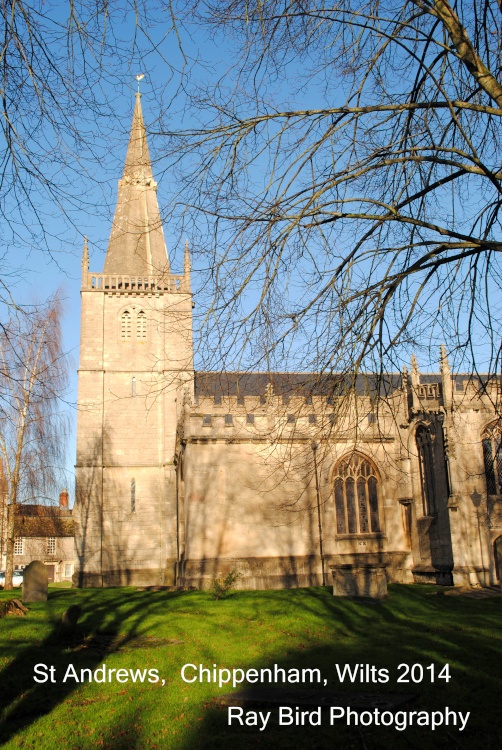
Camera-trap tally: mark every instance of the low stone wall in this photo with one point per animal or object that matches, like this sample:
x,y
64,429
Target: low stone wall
x,y
125,577
255,572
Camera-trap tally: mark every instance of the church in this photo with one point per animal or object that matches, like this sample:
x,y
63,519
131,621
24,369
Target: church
x,y
285,478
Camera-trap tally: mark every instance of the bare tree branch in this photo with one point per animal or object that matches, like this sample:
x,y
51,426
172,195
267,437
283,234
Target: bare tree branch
x,y
345,185
33,428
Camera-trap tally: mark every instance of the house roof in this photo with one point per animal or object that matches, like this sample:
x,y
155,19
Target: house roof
x,y
43,521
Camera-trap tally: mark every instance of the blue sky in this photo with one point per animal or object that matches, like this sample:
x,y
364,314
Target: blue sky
x,y
34,265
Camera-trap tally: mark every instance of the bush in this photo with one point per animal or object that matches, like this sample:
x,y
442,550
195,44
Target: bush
x,y
222,585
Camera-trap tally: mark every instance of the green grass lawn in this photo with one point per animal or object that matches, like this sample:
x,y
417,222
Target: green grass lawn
x,y
304,628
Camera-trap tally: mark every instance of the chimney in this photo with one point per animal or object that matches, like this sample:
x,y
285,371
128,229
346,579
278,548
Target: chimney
x,y
63,499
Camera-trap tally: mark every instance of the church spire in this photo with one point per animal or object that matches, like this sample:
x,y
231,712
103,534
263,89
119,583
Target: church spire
x,y
137,163
137,245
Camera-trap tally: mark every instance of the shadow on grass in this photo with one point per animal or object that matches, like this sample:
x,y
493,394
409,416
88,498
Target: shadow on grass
x,y
110,619
417,625
311,629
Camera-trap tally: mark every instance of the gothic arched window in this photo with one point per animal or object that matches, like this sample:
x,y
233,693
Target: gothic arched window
x,y
426,464
356,496
492,454
125,325
141,325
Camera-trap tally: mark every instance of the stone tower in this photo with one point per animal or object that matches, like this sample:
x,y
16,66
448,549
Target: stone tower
x,y
136,368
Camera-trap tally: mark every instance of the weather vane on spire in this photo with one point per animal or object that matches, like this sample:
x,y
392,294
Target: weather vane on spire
x,y
140,78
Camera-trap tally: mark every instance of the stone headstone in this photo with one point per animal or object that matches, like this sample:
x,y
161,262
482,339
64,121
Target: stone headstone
x,y
69,618
35,582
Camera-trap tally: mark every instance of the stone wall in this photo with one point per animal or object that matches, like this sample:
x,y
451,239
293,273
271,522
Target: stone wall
x,y
130,394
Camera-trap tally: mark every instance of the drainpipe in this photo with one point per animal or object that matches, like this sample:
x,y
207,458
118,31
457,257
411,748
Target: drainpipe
x,y
314,452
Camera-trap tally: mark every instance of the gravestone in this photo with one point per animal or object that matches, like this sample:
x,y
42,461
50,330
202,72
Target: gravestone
x,y
69,619
35,582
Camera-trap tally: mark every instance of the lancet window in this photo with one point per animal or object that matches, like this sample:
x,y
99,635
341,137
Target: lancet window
x,y
356,496
133,495
492,454
125,325
141,325
427,475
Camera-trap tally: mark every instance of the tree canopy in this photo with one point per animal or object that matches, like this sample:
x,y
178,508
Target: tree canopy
x,y
339,177
345,181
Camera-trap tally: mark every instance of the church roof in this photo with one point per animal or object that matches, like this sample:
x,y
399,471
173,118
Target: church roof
x,y
218,385
137,246
291,384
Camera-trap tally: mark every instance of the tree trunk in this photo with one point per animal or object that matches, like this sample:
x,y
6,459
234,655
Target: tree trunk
x,y
9,548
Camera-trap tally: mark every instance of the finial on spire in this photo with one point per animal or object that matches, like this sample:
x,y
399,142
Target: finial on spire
x,y
186,261
269,392
85,254
187,265
443,359
415,383
139,78
85,262
414,368
446,380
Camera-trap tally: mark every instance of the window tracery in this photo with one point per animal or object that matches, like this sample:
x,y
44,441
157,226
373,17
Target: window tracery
x,y
356,496
426,464
492,455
